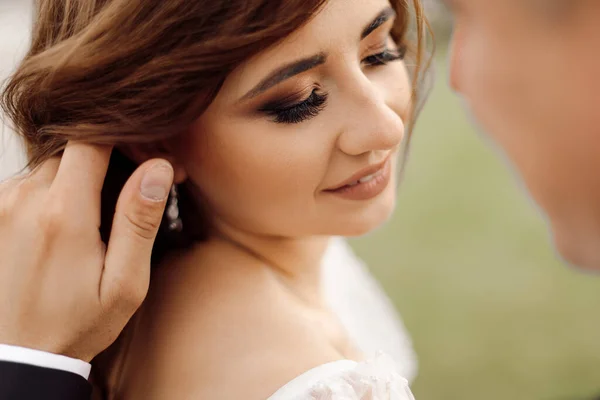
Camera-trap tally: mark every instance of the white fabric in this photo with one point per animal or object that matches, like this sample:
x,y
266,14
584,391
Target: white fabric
x,y
44,359
15,21
364,309
350,290
375,379
372,324
312,378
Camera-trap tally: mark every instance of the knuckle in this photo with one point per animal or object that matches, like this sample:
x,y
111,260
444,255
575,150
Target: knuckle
x,y
6,207
5,185
5,211
133,298
144,221
12,195
54,217
129,294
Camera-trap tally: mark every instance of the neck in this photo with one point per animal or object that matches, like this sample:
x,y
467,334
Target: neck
x,y
295,261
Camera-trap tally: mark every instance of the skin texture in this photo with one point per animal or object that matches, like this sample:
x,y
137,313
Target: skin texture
x,y
528,71
237,155
252,292
61,289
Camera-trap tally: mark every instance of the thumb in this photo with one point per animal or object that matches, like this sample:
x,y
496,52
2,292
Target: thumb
x,y
138,215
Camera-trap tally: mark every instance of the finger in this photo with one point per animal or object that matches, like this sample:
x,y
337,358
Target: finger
x,y
137,218
81,173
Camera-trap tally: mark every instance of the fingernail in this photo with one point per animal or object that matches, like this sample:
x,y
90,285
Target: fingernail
x,y
157,182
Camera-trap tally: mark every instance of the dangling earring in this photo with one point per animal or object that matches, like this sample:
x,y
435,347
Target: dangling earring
x,y
175,223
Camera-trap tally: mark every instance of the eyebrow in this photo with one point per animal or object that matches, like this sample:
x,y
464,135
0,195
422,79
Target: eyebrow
x,y
297,67
379,20
286,72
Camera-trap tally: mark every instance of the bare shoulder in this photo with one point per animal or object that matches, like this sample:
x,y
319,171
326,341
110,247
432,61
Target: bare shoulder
x,y
222,328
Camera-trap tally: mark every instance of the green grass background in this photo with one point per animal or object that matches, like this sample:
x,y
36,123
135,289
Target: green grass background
x,y
467,260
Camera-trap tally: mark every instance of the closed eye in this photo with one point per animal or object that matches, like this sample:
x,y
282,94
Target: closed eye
x,y
295,113
385,57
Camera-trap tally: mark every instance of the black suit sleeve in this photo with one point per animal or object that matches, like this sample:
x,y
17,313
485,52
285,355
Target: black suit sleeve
x,y
28,382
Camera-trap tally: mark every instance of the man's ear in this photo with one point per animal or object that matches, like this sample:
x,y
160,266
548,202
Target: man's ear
x,y
141,152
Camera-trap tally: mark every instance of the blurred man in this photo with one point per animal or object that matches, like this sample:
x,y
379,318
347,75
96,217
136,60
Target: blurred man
x,y
529,73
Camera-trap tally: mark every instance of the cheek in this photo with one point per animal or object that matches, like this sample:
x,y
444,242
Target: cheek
x,y
256,172
543,113
491,80
395,86
511,91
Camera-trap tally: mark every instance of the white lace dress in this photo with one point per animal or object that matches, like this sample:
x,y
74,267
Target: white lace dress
x,y
372,323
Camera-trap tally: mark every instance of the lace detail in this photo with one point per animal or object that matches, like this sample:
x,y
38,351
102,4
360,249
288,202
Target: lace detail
x,y
376,379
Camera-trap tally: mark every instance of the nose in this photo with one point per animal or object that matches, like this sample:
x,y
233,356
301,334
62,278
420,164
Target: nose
x,y
372,123
455,60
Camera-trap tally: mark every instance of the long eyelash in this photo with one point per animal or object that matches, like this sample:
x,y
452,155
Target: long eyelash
x,y
311,107
386,56
296,113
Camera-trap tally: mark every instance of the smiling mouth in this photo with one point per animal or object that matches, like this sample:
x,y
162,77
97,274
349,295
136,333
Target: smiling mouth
x,y
367,178
373,181
363,176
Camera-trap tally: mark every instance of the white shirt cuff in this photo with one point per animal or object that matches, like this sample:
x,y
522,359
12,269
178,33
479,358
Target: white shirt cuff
x,y
44,359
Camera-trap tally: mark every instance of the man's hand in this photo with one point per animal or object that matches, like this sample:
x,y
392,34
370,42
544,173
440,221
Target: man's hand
x,y
61,289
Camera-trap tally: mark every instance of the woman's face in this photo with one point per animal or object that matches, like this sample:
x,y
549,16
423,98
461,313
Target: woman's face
x,y
529,72
280,149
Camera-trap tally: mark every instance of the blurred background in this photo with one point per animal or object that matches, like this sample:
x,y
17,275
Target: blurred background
x,y
15,21
466,258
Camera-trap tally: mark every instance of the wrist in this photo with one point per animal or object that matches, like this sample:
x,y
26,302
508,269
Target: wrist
x,y
44,359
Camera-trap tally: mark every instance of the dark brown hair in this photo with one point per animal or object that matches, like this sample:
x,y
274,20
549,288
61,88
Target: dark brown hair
x,y
123,71
126,71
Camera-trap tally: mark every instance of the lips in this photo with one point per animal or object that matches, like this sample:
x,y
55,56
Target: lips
x,y
367,178
364,175
367,187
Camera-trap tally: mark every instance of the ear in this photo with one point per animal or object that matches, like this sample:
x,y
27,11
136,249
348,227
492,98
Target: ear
x,y
141,152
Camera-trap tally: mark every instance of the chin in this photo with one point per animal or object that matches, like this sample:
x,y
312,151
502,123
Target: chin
x,y
368,219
